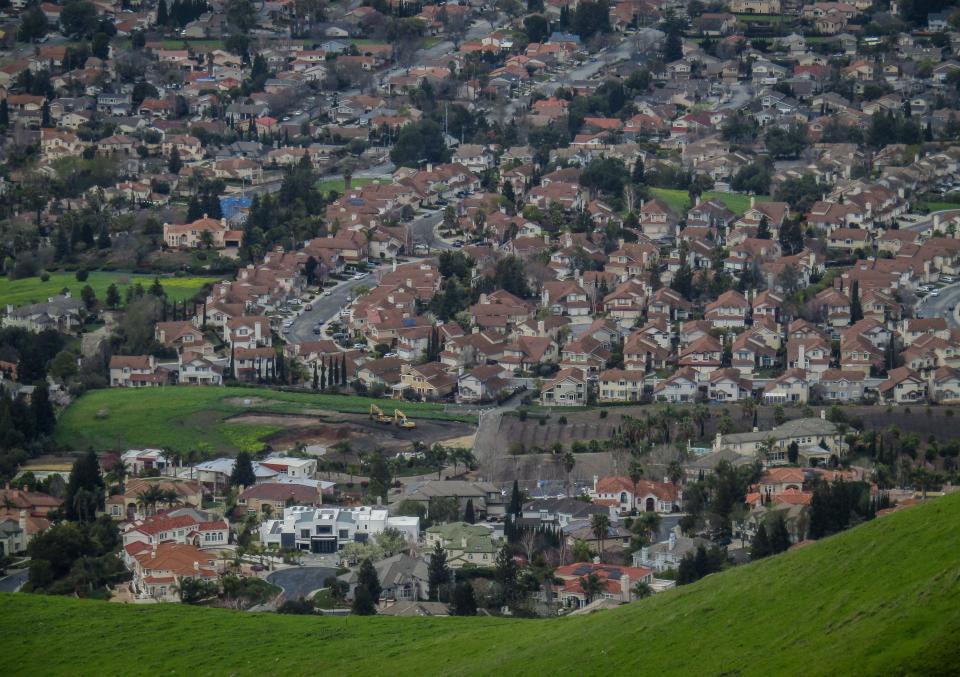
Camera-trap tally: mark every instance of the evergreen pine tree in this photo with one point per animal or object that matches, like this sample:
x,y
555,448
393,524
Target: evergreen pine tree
x,y
4,114
316,377
163,17
516,501
856,308
438,573
468,513
367,593
243,475
760,547
779,536
84,493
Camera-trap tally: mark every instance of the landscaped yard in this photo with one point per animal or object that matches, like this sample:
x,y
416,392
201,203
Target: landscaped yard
x,y
182,418
941,206
35,290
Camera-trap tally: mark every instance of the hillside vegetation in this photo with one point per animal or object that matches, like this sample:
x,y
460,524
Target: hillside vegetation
x,y
183,417
883,598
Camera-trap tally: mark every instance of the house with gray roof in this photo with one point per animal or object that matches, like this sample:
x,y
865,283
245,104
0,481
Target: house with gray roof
x,y
667,554
465,544
60,313
402,578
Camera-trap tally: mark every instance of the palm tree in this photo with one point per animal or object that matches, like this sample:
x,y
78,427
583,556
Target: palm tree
x,y
600,525
591,586
636,474
748,406
117,474
646,526
642,590
569,461
149,497
675,472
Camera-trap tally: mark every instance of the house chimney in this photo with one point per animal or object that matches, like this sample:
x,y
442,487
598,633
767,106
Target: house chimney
x,y
625,587
823,414
595,480
673,540
801,357
23,521
752,200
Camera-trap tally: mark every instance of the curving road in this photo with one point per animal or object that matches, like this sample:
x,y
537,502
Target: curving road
x,y
299,582
944,305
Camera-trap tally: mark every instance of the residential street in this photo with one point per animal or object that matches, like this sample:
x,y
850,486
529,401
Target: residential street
x,y
943,305
324,309
301,581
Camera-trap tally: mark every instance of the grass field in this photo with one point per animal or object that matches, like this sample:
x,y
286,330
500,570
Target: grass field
x,y
181,418
679,201
34,290
941,206
881,599
337,184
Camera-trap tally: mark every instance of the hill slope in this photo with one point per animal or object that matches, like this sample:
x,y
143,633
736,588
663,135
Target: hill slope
x,y
880,599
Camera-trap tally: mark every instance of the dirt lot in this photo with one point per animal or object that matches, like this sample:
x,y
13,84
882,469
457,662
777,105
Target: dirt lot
x,y
326,428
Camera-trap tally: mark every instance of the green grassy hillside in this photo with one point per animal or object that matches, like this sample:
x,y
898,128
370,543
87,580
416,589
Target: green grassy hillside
x,y
182,417
880,599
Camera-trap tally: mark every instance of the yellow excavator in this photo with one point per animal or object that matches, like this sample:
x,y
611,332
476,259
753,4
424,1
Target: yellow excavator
x,y
376,413
401,420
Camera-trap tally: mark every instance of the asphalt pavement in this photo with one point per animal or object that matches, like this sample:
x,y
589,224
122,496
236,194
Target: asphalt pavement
x,y
323,309
943,305
14,579
299,582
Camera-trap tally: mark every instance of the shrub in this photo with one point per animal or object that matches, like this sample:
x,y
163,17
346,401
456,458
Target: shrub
x,y
45,277
523,414
603,413
562,420
543,421
82,275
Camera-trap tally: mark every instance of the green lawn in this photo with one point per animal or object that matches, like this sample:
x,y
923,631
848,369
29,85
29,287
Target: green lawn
x,y
338,185
183,417
881,599
679,201
34,290
941,206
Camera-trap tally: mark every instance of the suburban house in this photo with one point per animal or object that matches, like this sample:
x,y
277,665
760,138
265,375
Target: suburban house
x,y
646,496
465,544
567,388
60,313
618,582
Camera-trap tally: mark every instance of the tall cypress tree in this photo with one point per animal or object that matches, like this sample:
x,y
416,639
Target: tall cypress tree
x,y
343,369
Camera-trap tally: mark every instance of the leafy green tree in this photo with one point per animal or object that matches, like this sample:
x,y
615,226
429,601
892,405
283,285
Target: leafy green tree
x,y
113,296
536,27
380,477
33,24
418,143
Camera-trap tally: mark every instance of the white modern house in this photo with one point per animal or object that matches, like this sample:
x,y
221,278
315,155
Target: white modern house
x,y
327,529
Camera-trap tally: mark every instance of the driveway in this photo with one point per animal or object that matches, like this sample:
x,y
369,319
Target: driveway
x,y
298,582
14,580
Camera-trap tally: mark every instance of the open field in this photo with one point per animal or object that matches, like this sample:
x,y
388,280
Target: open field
x,y
679,201
227,420
337,184
34,290
883,598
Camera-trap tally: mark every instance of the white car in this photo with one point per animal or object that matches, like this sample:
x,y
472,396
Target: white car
x,y
947,279
327,293
935,292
